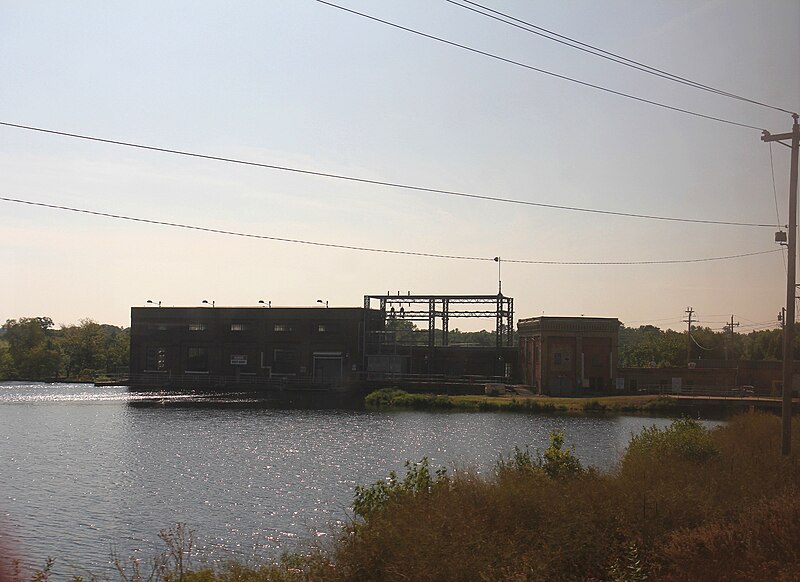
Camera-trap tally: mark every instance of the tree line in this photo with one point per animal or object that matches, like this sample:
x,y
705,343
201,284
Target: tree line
x,y
639,347
649,346
31,348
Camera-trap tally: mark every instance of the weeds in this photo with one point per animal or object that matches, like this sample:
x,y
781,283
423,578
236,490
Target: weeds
x,y
628,568
680,494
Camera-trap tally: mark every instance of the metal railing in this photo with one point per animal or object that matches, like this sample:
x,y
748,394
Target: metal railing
x,y
710,391
404,378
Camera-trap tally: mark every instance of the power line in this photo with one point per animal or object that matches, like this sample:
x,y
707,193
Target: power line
x,y
369,249
381,182
775,196
666,319
774,189
699,346
539,70
598,52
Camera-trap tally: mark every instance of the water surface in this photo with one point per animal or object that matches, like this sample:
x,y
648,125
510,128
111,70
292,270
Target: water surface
x,y
85,468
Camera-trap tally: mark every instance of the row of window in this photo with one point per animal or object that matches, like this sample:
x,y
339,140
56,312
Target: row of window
x,y
276,327
283,360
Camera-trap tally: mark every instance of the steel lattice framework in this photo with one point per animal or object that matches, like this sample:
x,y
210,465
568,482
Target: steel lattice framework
x,y
432,307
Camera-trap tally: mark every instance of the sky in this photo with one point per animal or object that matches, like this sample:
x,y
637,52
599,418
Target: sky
x,y
305,85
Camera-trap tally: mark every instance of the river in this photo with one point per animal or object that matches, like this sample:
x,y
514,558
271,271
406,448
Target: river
x,y
85,469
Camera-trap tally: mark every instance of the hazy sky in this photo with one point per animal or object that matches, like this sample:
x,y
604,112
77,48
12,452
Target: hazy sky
x,y
297,83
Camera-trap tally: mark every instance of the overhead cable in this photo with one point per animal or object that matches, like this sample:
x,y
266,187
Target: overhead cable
x,y
699,346
598,52
382,182
369,249
539,70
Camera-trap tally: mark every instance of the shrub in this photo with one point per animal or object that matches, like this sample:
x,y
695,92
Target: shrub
x,y
384,397
760,544
518,462
371,499
395,398
556,462
684,438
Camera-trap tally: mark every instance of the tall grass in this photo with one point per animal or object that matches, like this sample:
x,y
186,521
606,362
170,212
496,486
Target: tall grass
x,y
679,497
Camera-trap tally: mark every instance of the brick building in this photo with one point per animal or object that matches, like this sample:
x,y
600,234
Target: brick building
x,y
200,347
569,355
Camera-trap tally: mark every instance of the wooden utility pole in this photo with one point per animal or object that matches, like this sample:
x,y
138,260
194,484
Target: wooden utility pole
x,y
788,320
689,313
729,327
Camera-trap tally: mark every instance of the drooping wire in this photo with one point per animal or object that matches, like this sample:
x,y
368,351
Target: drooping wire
x,y
699,346
382,182
774,188
596,51
777,213
539,70
367,249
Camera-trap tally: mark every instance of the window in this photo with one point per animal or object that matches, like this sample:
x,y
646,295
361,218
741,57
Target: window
x,y
238,327
323,328
197,327
156,359
197,360
282,327
157,327
557,358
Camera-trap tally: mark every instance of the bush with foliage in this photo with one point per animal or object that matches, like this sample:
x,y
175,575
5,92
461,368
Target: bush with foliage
x,y
370,499
684,438
557,462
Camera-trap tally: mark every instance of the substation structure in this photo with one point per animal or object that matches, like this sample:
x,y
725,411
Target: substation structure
x,y
388,350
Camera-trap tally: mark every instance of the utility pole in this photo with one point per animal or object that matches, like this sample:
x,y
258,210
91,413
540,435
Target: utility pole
x,y
729,328
788,320
781,316
689,313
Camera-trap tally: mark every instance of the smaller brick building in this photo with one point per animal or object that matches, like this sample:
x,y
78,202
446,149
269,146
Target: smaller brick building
x,y
569,355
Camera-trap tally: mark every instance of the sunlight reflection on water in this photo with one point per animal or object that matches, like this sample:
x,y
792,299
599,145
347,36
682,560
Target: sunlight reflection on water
x,y
86,467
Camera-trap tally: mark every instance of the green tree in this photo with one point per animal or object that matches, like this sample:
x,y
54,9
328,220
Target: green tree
x,y
83,348
31,347
648,345
91,348
118,348
6,362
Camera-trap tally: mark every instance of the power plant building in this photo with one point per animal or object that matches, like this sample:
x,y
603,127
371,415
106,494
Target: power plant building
x,y
569,355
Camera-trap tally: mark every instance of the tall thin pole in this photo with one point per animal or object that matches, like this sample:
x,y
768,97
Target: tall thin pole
x,y
729,342
689,313
791,275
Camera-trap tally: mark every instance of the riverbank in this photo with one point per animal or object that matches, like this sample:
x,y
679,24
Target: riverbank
x,y
390,398
661,405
